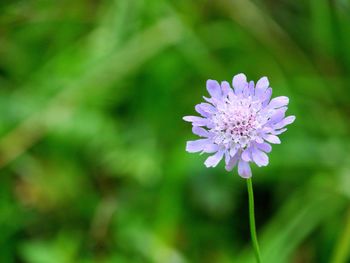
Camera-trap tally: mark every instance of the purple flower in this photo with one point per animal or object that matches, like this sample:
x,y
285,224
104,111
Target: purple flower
x,y
239,124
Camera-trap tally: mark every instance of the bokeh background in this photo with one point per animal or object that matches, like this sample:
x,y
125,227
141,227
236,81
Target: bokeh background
x,y
92,141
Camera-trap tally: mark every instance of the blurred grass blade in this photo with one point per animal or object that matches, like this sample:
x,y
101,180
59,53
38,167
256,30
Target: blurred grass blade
x,y
297,219
342,249
123,61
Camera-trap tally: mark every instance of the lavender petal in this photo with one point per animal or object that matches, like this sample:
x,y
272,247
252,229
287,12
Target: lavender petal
x,y
272,139
239,82
232,163
261,86
196,146
213,160
244,169
278,102
260,158
214,88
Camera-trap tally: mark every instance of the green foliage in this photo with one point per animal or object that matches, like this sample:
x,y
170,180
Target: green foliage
x,y
93,166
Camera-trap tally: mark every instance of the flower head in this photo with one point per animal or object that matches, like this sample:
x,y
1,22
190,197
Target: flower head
x,y
239,124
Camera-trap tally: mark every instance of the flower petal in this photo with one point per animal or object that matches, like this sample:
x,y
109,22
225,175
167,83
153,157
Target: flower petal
x,y
214,88
239,82
210,100
260,158
264,147
286,121
259,139
233,151
278,132
261,86
227,157
199,109
206,107
233,161
200,131
225,87
246,91
244,169
278,102
251,87
272,138
196,121
213,160
246,155
196,146
210,148
266,97
192,118
278,115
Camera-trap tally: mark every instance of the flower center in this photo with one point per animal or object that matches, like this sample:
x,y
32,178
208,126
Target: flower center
x,y
235,124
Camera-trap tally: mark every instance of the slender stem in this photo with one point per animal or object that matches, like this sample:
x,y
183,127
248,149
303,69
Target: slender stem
x,y
252,220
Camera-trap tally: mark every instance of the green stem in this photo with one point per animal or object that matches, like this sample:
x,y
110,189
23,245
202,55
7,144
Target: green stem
x,y
252,220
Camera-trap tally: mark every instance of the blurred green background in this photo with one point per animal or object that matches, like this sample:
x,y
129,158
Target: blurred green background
x,y
92,141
